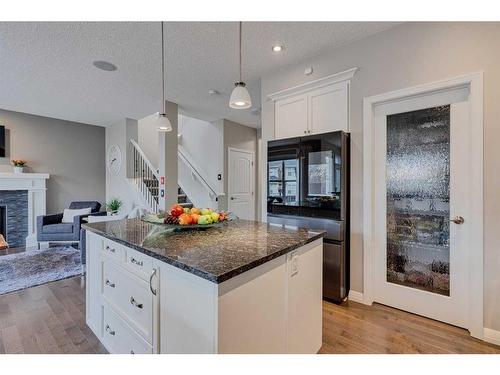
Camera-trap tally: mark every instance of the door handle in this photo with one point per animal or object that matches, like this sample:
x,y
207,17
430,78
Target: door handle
x,y
458,220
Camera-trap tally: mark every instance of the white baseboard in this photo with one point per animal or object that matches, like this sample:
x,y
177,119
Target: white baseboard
x,y
355,296
491,336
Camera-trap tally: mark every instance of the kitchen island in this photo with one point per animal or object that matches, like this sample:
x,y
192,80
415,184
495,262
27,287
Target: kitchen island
x,y
241,287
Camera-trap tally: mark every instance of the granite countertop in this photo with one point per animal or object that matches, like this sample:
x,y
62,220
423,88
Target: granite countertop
x,y
216,254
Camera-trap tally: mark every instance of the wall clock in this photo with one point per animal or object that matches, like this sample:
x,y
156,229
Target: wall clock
x,y
114,160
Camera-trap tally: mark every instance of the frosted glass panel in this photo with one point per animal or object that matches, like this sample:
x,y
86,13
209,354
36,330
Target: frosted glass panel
x,y
418,195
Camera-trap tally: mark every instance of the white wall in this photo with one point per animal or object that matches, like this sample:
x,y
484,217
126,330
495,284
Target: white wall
x,y
117,186
148,138
202,142
408,55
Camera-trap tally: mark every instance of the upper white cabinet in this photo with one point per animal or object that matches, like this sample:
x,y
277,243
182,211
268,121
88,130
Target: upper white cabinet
x,y
315,107
290,116
328,109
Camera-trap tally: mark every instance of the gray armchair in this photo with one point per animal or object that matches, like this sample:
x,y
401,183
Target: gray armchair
x,y
50,228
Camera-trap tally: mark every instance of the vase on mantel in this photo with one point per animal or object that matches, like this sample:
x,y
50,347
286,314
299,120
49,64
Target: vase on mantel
x,y
18,169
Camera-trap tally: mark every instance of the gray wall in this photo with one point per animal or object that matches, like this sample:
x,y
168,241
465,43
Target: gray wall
x,y
72,153
408,55
243,138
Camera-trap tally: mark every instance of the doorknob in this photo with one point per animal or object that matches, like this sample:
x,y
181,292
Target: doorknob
x,y
458,220
232,198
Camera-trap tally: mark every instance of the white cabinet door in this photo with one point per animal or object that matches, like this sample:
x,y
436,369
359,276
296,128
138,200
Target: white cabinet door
x,y
290,116
94,283
305,299
328,109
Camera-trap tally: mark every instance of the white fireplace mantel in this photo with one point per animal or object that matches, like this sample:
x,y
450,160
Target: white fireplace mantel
x,y
34,183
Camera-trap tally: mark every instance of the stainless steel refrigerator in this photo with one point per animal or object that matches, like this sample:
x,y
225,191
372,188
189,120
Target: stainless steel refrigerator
x,y
308,186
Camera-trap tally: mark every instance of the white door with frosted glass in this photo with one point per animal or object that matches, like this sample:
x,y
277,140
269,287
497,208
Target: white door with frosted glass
x,y
241,198
421,205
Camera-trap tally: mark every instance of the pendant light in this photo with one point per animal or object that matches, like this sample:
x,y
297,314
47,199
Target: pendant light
x,y
240,97
164,124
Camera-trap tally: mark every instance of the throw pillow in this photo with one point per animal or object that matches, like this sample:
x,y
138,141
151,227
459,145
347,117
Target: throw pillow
x,y
68,214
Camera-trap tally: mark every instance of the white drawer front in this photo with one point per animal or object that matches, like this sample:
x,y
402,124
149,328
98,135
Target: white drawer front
x,y
113,250
139,263
131,296
120,338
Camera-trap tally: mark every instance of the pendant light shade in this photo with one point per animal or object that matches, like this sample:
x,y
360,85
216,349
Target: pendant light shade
x,y
240,97
164,124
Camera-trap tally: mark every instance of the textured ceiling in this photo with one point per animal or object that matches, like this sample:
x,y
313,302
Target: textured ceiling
x,y
46,68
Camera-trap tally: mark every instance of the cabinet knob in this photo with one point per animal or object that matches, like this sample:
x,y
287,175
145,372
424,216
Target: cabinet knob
x,y
135,261
135,303
305,131
109,283
109,330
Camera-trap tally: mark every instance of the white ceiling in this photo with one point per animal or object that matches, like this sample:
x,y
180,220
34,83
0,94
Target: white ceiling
x,y
46,68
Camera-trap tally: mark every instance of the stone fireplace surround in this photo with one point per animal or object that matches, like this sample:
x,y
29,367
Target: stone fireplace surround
x,y
23,195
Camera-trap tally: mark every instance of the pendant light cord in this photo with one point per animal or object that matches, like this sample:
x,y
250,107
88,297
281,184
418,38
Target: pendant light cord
x,y
240,24
162,70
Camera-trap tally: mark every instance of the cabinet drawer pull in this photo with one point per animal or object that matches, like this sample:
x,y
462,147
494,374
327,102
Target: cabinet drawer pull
x,y
109,283
134,302
139,263
109,330
151,282
110,249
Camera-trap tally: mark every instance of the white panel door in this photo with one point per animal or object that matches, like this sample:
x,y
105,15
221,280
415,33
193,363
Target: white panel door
x,y
290,117
241,177
421,206
329,109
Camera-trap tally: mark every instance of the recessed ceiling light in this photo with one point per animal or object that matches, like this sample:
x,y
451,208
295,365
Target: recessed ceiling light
x,y
278,48
104,65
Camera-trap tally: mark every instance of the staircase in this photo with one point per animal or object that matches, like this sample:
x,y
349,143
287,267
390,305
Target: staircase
x,y
182,198
146,179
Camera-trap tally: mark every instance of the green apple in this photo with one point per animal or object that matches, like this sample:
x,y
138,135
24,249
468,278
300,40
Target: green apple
x,y
206,211
204,220
215,217
187,210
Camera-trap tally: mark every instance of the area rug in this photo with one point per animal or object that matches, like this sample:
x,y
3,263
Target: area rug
x,y
35,267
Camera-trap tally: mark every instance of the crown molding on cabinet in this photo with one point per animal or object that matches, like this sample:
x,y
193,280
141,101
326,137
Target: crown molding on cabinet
x,y
316,84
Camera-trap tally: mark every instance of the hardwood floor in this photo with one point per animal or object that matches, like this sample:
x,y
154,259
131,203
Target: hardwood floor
x,y
353,328
46,319
51,319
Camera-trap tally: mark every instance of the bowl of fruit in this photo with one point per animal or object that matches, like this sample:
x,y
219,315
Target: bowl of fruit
x,y
189,218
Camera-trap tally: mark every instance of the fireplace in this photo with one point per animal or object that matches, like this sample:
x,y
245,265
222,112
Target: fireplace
x,y
22,199
3,221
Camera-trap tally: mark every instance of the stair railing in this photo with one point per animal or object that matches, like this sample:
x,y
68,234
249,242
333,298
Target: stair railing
x,y
198,177
146,178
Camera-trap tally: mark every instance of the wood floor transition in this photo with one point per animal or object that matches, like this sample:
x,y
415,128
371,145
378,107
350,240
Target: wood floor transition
x,y
51,319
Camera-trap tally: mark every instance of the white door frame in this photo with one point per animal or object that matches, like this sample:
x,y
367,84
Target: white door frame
x,y
474,82
229,149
